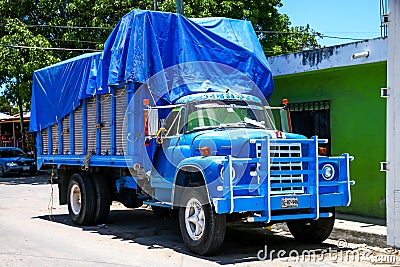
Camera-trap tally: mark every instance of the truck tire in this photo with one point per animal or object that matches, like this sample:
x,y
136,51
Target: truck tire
x,y
312,231
202,229
103,199
81,199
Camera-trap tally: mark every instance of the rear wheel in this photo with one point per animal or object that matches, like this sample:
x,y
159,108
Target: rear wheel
x,y
81,199
103,199
202,229
312,231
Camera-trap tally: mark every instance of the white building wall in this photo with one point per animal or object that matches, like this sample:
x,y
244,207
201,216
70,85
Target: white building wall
x,y
393,127
329,57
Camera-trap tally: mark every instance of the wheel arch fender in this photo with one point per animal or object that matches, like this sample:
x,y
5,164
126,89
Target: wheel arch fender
x,y
196,172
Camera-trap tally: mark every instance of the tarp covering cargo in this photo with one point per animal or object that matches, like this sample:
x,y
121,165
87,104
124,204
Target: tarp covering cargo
x,y
146,43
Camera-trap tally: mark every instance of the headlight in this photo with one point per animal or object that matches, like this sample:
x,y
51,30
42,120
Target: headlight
x,y
328,172
233,173
11,164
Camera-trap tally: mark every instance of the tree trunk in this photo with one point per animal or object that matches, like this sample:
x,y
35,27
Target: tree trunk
x,y
21,119
21,122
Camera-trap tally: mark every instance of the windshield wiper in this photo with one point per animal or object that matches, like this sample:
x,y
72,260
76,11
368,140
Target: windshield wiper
x,y
234,124
254,123
244,123
199,128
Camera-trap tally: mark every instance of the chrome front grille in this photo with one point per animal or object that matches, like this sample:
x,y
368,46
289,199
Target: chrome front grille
x,y
289,150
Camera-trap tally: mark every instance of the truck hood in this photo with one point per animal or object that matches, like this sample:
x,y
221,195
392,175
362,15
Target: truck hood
x,y
234,141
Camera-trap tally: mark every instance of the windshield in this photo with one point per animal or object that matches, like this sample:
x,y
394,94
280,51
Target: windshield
x,y
174,122
11,153
217,114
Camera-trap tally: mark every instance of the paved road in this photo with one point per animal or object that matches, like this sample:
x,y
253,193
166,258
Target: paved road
x,y
30,236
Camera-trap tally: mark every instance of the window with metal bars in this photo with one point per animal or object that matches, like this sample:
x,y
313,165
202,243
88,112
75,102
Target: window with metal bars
x,y
312,118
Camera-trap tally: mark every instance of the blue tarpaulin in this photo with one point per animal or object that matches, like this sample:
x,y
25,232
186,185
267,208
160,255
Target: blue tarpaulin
x,y
175,55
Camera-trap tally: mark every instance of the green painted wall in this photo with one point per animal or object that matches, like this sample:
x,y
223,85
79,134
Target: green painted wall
x,y
358,124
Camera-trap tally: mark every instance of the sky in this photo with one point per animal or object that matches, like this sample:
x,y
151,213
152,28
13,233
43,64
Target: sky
x,y
359,19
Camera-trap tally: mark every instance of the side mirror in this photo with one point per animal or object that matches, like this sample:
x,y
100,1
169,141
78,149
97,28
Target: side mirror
x,y
284,113
151,122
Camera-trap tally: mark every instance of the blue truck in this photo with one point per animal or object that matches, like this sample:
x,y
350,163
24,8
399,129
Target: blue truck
x,y
174,114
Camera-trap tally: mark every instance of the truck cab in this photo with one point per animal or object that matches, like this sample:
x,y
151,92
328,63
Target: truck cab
x,y
219,154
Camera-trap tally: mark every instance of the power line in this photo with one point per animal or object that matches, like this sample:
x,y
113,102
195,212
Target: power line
x,y
70,27
282,32
109,28
353,32
316,34
343,38
52,48
61,26
77,41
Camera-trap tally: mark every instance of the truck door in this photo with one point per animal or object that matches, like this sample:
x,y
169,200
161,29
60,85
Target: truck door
x,y
169,154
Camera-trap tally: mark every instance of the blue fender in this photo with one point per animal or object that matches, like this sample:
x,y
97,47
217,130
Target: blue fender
x,y
210,167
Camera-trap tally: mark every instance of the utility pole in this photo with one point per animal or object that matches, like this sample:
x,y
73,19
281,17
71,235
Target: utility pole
x,y
179,6
393,126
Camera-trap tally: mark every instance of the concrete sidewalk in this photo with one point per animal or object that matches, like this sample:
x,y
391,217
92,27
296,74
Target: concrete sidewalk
x,y
359,229
355,229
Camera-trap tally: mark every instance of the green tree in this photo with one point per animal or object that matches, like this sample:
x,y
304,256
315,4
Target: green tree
x,y
18,64
4,104
74,15
275,32
88,23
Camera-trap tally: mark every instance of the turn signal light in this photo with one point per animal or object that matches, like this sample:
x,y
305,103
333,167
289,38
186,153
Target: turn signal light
x,y
322,151
205,151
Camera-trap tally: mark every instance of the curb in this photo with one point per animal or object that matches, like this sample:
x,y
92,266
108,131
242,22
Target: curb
x,y
353,232
359,237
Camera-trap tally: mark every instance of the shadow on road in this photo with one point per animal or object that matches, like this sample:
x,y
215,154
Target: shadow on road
x,y
141,226
42,178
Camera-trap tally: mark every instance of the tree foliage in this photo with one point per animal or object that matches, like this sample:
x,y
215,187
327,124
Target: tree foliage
x,y
36,23
17,64
275,32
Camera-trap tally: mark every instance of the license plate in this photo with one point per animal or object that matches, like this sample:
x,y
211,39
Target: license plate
x,y
289,202
25,168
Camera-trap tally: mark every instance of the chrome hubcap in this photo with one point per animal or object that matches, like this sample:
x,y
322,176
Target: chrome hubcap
x,y
75,199
194,219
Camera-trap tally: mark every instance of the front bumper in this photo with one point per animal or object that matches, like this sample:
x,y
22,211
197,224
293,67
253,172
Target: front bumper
x,y
317,195
19,170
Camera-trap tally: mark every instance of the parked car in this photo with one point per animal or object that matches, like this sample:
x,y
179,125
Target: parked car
x,y
15,161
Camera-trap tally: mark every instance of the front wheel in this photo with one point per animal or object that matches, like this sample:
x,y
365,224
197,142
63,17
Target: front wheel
x,y
202,229
312,231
